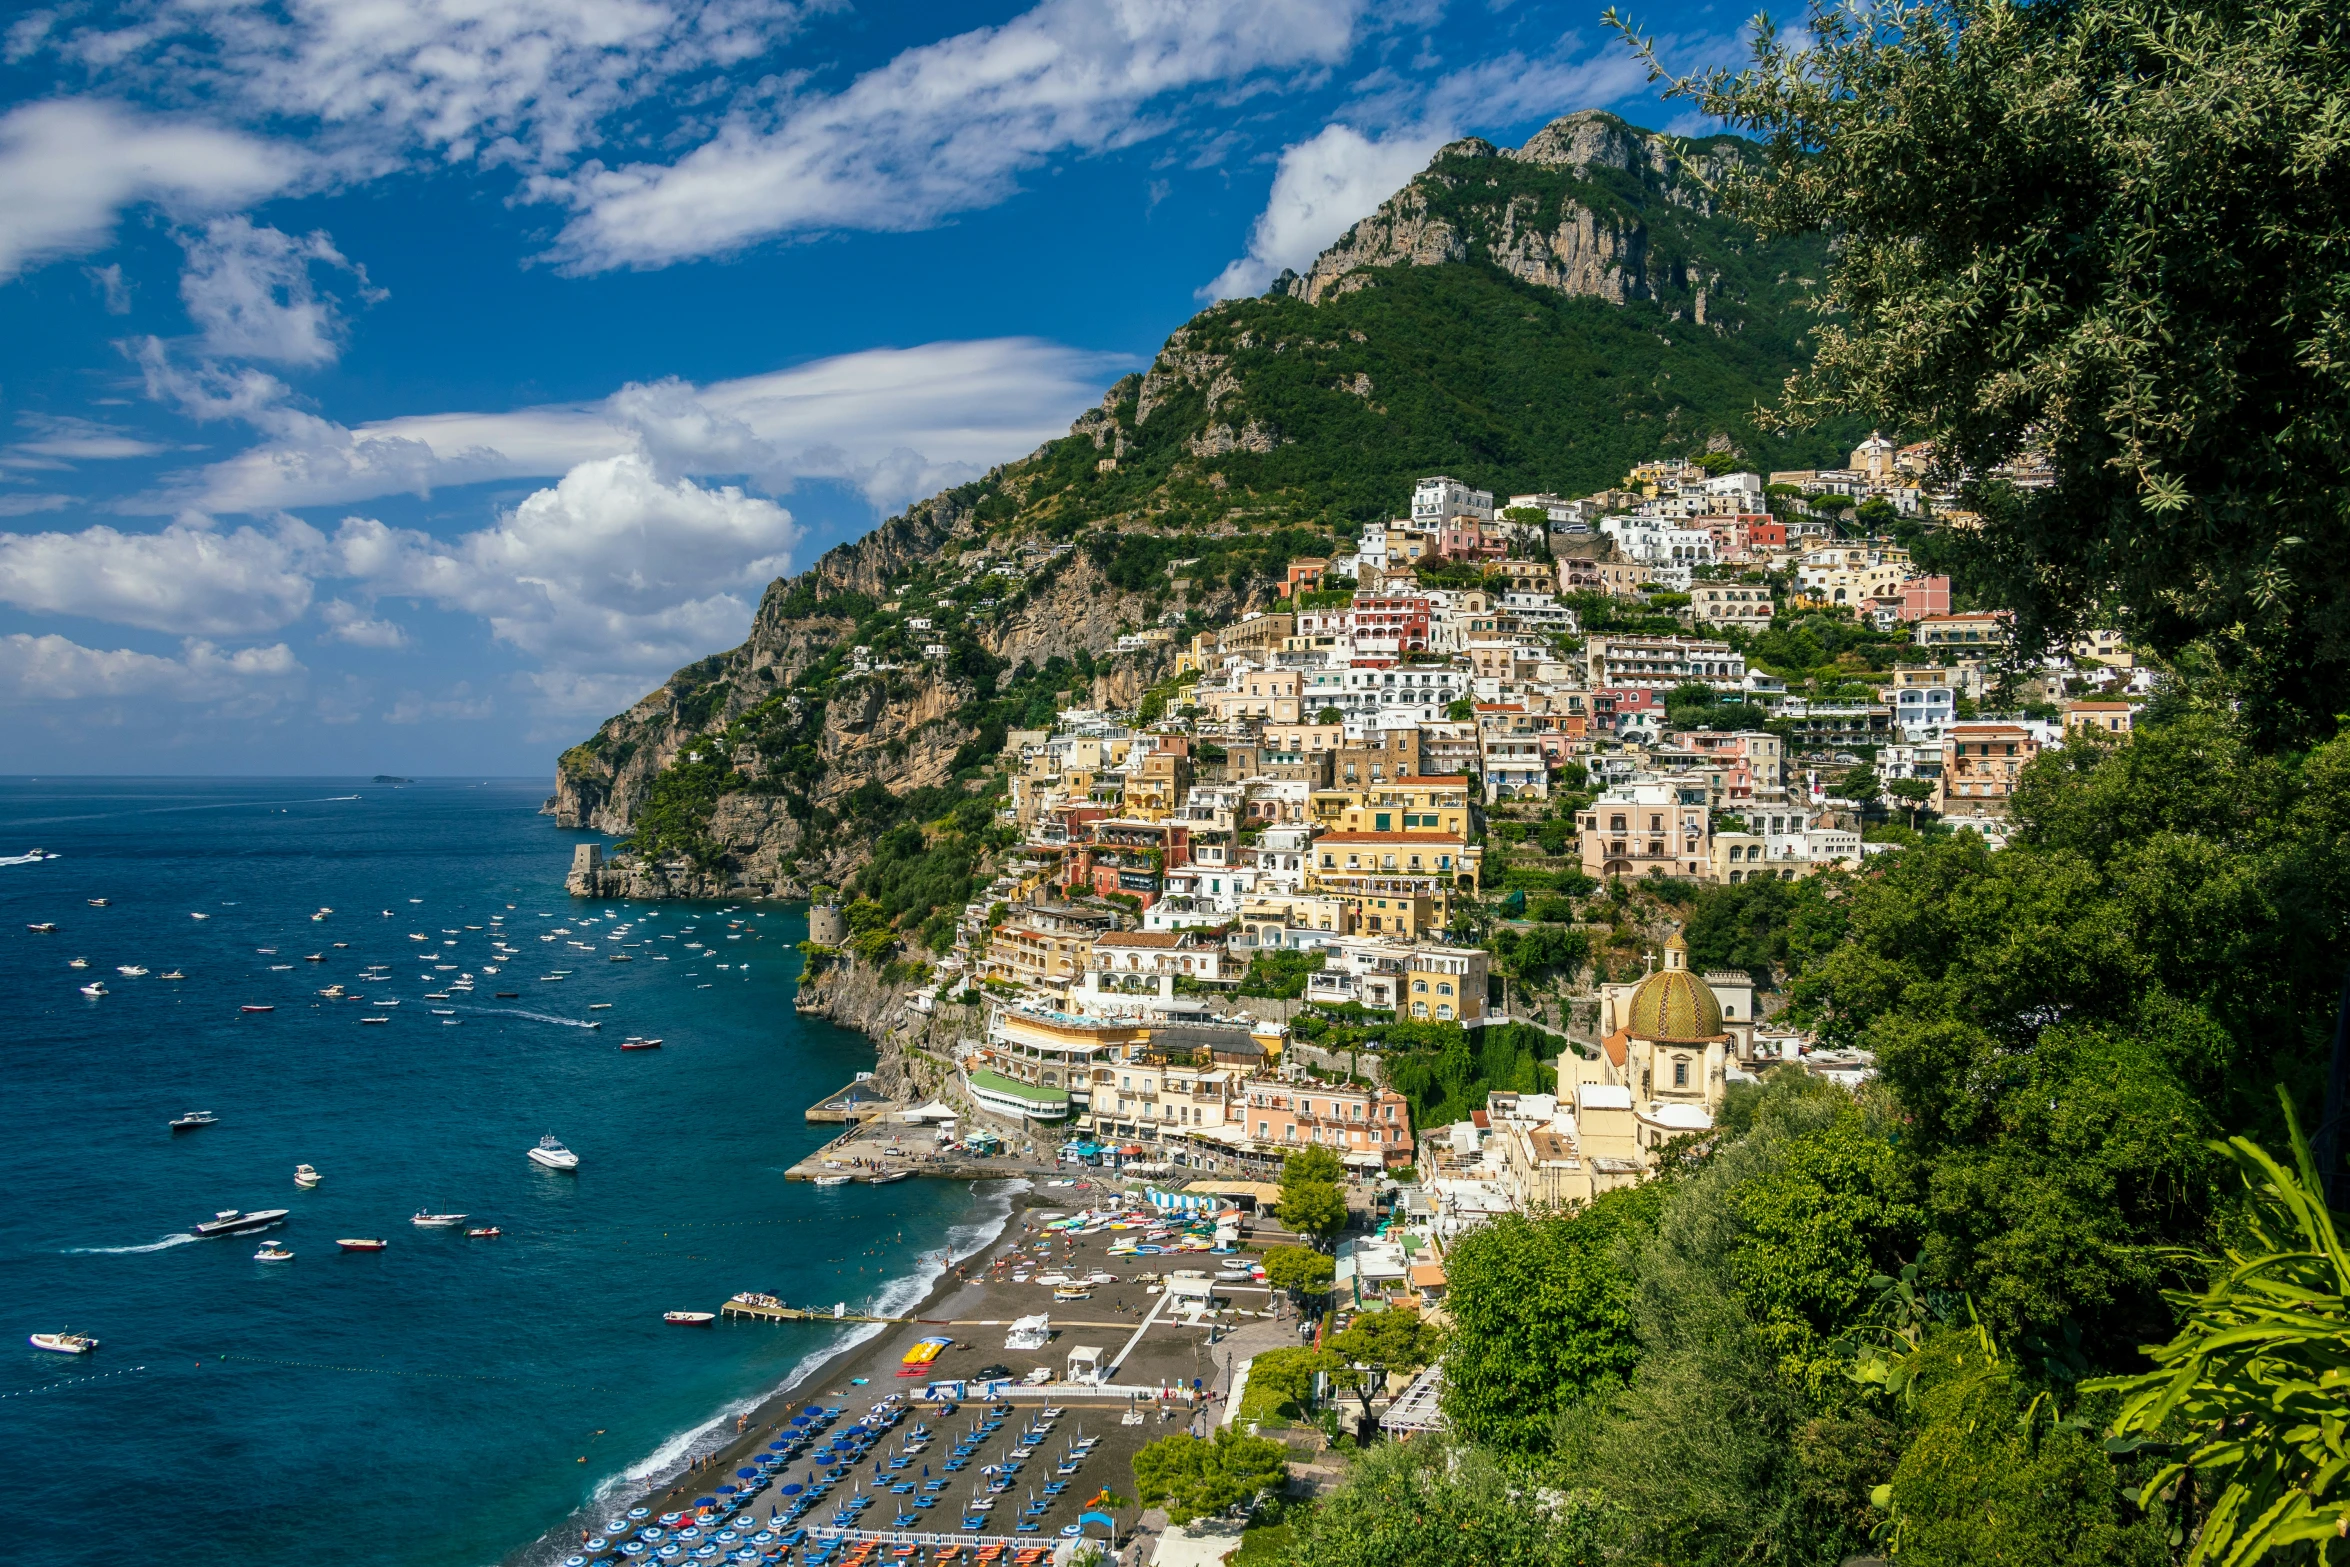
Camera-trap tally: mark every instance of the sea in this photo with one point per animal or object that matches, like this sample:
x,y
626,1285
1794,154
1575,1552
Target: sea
x,y
447,1401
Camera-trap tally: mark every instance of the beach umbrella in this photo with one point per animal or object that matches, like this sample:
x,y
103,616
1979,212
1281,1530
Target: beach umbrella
x,y
746,1474
726,1490
777,1445
790,1490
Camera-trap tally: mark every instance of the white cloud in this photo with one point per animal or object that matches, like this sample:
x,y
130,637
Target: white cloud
x,y
518,81
113,292
58,441
185,579
68,167
349,623
57,669
414,707
27,505
940,129
1322,187
250,293
896,422
612,568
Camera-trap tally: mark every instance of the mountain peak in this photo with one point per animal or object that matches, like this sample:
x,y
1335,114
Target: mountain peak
x,y
1572,210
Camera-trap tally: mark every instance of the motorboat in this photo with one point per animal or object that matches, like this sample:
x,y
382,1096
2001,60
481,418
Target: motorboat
x,y
486,1233
436,1221
599,1006
362,1244
272,1251
638,1042
130,971
689,1319
889,1177
44,928
305,1177
256,1009
333,992
94,989
834,1180
97,903
228,1221
196,1118
199,916
375,1020
506,995
175,974
554,1155
64,1343
78,963
314,957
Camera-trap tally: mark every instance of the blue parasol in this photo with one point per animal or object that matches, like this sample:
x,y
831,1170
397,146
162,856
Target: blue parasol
x,y
746,1474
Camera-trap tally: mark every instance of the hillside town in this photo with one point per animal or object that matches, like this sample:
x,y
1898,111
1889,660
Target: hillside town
x,y
1344,808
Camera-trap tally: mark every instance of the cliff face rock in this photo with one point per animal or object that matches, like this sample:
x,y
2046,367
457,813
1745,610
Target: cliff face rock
x,y
1566,212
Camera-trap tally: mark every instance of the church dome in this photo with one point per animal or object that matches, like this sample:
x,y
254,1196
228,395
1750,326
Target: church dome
x,y
1674,1006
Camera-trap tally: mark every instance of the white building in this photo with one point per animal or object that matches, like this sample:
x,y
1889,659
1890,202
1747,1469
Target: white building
x,y
1437,501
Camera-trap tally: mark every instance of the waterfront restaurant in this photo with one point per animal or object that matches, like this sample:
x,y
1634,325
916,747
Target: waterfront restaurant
x,y
1038,1064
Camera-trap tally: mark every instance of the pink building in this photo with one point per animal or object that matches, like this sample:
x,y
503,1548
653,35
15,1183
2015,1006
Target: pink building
x,y
1923,596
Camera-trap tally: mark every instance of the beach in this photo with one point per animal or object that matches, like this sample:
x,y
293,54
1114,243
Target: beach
x,y
1157,1356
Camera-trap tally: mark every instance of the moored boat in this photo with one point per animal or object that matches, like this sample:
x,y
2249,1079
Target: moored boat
x,y
362,1243
194,1119
130,971
889,1177
554,1155
68,1343
273,1251
436,1221
689,1319
256,1009
486,1233
639,1042
305,1177
94,989
834,1180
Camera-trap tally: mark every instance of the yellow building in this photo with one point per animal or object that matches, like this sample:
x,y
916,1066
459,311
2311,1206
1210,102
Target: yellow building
x,y
1439,804
1393,883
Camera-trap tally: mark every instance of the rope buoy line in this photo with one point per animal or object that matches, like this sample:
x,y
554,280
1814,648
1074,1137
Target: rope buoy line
x,y
389,1371
27,1392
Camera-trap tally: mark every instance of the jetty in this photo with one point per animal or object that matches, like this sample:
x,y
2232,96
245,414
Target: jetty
x,y
766,1308
860,1101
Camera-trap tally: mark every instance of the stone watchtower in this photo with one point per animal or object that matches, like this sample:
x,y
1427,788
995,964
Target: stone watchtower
x,y
587,859
827,925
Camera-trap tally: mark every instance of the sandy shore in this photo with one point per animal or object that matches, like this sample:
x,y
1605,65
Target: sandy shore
x,y
981,1289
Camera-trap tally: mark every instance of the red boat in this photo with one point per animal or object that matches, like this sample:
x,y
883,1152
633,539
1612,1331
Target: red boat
x,y
362,1245
490,1234
256,1009
634,1043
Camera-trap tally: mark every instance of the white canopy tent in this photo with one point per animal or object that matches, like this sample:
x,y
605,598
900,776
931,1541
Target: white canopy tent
x,y
933,1111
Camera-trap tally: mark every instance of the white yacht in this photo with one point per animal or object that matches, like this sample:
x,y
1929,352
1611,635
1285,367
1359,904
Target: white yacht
x,y
554,1155
65,1343
305,1177
436,1221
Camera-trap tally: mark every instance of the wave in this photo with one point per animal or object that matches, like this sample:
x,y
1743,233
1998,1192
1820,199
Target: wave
x,y
164,1244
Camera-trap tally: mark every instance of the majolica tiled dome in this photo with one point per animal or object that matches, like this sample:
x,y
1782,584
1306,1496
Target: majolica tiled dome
x,y
1674,1006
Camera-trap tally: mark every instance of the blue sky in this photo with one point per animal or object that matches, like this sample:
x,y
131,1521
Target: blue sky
x,y
407,385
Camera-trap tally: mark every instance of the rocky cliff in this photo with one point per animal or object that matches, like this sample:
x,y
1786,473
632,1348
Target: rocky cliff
x,y
1590,206
1530,319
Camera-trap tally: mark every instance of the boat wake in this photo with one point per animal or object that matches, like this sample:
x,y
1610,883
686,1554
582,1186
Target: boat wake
x,y
164,1244
535,1017
25,859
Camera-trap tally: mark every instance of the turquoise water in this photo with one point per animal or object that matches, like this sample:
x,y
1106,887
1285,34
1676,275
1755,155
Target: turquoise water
x,y
431,1403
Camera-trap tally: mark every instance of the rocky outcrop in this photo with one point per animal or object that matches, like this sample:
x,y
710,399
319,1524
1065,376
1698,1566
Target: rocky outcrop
x,y
1574,235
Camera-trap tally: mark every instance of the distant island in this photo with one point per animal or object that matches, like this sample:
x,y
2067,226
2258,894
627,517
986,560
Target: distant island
x,y
388,778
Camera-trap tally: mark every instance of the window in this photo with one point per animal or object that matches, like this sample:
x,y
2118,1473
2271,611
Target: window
x,y
1680,1074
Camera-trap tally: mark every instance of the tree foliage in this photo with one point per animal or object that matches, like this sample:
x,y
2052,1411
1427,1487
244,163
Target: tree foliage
x,y
1313,1202
1428,1503
2108,235
1190,1477
1542,1314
